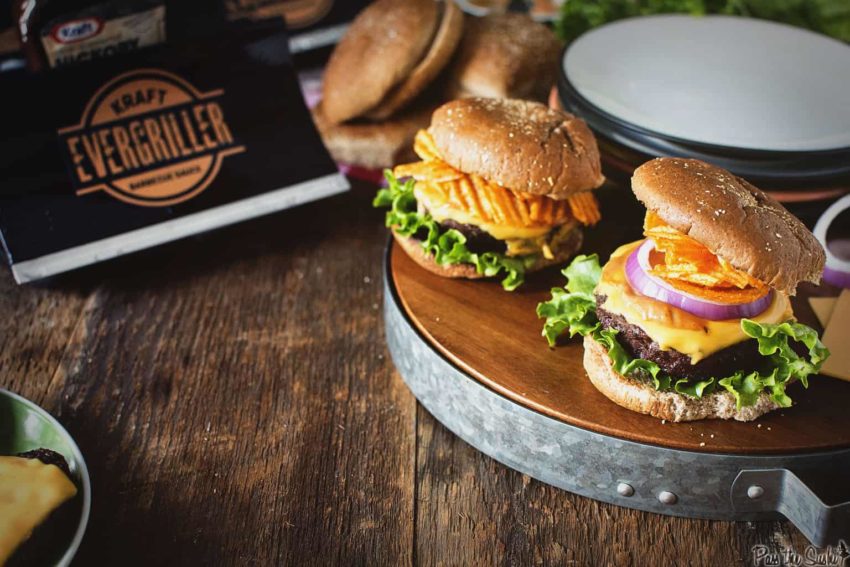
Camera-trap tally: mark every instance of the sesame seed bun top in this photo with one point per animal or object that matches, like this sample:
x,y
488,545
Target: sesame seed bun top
x,y
733,219
521,145
382,47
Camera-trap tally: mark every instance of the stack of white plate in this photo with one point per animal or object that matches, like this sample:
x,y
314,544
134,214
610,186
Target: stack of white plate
x,y
767,101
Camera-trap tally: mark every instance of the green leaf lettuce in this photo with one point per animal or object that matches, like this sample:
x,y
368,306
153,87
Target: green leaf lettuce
x,y
572,309
447,246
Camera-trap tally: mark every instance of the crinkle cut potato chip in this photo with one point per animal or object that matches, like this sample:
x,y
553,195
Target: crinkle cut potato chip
x,y
691,267
585,208
473,194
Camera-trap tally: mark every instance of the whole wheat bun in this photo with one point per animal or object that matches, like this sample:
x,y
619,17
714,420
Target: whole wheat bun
x,y
733,219
374,145
381,48
414,249
442,48
505,55
521,145
672,406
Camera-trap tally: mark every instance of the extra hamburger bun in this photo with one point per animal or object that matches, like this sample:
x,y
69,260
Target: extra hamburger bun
x,y
505,56
521,145
380,50
373,145
438,55
643,398
414,249
733,219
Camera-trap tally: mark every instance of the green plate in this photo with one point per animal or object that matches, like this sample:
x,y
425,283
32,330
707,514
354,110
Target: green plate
x,y
25,426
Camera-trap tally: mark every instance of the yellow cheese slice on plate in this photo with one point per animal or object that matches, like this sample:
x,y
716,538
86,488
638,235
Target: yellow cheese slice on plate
x,y
29,492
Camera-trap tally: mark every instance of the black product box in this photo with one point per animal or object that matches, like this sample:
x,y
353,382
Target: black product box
x,y
106,158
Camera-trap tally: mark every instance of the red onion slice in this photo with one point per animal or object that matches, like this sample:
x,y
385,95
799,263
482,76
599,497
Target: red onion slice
x,y
838,278
637,273
837,270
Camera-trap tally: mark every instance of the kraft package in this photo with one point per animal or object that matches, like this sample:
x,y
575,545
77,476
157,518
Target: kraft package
x,y
135,150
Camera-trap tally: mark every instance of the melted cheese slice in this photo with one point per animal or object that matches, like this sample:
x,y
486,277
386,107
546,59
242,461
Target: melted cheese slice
x,y
669,326
29,492
441,209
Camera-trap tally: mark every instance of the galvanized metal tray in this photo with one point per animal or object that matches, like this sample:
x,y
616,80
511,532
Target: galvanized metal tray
x,y
675,474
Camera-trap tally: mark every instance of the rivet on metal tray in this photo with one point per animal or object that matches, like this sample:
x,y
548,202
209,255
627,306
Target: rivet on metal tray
x,y
625,489
667,497
755,492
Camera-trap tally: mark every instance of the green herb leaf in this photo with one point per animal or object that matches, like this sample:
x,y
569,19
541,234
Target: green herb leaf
x,y
830,17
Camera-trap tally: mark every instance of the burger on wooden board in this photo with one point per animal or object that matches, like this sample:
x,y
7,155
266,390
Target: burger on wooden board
x,y
503,188
694,321
401,58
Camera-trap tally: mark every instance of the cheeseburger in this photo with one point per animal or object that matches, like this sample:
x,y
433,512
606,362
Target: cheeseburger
x,y
503,188
694,321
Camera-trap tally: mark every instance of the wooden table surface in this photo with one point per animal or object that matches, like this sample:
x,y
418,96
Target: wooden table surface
x,y
236,405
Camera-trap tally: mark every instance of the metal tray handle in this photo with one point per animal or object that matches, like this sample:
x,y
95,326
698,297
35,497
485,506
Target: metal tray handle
x,y
782,491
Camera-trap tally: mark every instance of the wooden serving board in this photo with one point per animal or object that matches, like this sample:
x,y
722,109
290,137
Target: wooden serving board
x,y
494,336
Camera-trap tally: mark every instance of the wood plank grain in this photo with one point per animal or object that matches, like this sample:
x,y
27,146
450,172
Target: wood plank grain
x,y
494,336
39,323
471,510
234,401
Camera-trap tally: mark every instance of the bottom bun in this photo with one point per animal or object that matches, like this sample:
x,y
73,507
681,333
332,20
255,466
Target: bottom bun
x,y
643,398
414,249
374,145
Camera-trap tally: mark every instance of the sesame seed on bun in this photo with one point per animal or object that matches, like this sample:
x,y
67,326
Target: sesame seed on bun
x,y
521,145
733,219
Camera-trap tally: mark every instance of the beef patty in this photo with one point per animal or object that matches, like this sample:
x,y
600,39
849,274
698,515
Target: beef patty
x,y
743,356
